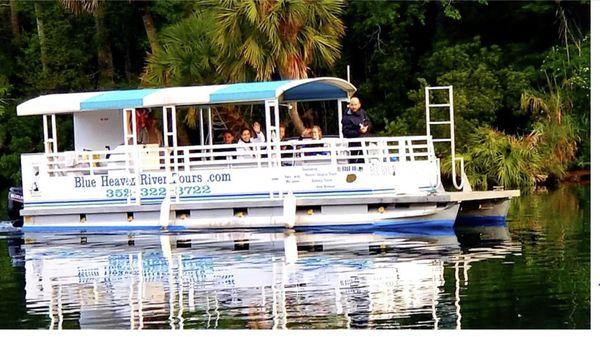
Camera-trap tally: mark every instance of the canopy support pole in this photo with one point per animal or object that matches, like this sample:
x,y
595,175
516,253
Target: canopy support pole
x,y
272,137
170,141
50,136
340,104
201,125
210,127
129,127
130,138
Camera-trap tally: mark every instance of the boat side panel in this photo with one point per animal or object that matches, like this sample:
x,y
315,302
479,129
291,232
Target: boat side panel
x,y
490,212
121,188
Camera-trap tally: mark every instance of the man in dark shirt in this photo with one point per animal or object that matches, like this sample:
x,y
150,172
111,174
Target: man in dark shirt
x,y
355,123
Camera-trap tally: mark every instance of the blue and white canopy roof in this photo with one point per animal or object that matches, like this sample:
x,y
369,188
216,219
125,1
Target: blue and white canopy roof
x,y
322,88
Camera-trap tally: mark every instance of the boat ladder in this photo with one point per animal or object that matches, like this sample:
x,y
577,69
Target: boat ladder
x,y
429,105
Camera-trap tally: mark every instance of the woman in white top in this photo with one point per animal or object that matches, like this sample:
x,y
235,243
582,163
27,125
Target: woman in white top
x,y
245,148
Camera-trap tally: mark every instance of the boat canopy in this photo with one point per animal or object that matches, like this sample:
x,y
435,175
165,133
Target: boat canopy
x,y
322,88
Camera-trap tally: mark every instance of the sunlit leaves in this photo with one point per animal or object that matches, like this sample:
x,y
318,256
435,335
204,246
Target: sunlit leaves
x,y
187,56
271,38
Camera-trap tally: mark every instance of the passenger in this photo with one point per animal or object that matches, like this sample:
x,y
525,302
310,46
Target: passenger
x,y
245,150
308,121
307,133
317,134
149,132
141,116
282,132
355,123
259,137
228,139
285,148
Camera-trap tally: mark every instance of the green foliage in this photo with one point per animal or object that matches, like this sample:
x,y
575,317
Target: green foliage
x,y
187,56
494,158
394,48
69,68
394,128
268,37
481,86
568,70
4,88
554,132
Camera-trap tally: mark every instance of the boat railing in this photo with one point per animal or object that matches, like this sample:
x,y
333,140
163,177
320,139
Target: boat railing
x,y
306,152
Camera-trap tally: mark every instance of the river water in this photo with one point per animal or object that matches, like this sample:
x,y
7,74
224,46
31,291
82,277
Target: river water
x,y
532,273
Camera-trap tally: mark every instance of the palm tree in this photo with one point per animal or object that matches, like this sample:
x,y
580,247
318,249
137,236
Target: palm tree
x,y
143,8
187,55
554,132
267,38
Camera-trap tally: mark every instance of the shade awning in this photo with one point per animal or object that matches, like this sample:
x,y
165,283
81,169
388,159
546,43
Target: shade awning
x,y
322,88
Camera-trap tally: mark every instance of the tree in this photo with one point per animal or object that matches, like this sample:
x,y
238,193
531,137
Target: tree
x,y
485,92
143,8
187,55
14,20
105,60
97,8
272,38
41,30
553,133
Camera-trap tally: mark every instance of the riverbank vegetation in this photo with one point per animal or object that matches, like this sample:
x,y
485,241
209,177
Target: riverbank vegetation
x,y
520,70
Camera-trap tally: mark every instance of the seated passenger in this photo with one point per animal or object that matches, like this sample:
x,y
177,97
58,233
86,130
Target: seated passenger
x,y
147,128
317,134
285,148
308,122
228,139
282,132
245,150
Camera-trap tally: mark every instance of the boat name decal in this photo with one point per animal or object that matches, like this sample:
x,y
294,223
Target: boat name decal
x,y
147,179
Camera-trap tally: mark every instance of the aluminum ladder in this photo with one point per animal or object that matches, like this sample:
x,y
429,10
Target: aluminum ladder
x,y
450,123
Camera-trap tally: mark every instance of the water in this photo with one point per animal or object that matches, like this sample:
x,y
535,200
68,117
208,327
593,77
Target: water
x,y
532,273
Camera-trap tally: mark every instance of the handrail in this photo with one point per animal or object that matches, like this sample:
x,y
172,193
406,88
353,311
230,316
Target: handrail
x,y
326,151
462,173
450,124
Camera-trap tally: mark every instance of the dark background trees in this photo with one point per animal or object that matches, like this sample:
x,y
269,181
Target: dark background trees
x,y
520,70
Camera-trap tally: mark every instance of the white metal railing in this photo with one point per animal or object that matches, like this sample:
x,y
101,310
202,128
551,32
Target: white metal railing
x,y
331,151
137,159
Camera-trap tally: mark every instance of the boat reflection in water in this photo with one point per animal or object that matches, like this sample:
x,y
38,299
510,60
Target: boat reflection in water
x,y
252,279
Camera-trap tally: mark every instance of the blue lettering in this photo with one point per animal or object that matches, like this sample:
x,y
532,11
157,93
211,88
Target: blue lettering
x,y
81,182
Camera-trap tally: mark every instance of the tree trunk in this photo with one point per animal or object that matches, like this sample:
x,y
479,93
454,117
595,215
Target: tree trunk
x,y
105,60
294,114
296,120
151,32
14,20
42,37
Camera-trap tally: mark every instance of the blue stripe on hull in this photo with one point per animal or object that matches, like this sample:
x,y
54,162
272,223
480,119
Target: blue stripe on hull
x,y
94,229
477,220
429,227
